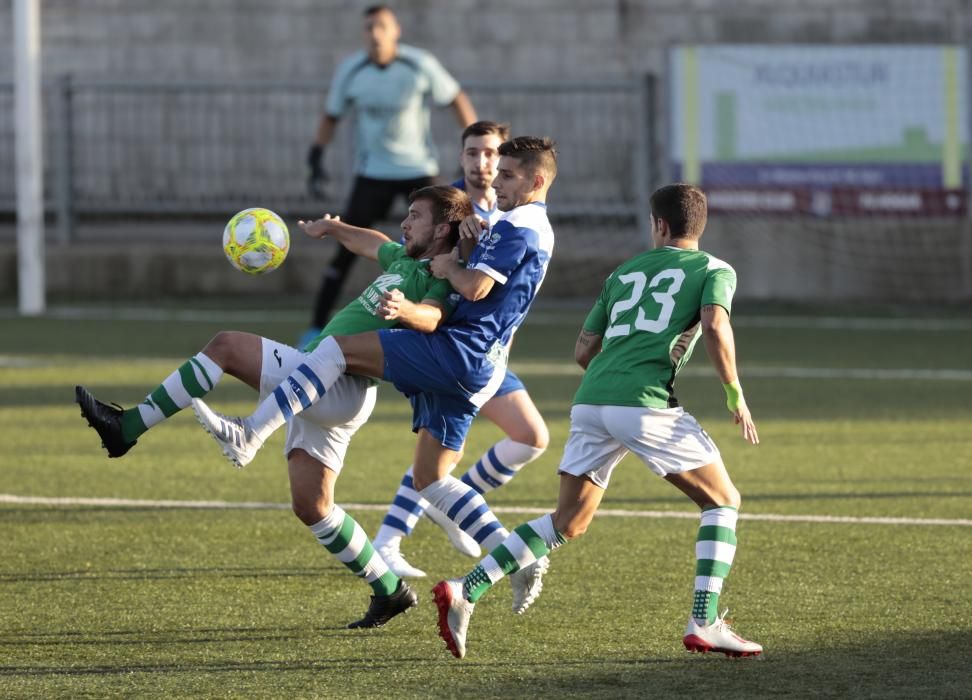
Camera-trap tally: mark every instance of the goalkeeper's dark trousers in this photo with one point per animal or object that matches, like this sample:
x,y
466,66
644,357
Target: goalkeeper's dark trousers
x,y
370,201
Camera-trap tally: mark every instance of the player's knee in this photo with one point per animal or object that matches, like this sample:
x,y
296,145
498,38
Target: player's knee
x,y
569,526
728,496
420,481
734,498
541,436
311,510
220,348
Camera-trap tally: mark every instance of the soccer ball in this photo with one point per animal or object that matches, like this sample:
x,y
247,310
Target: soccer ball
x,y
256,241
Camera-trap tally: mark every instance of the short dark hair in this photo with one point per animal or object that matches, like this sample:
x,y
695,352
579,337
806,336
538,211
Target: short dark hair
x,y
683,207
449,205
485,128
534,153
375,9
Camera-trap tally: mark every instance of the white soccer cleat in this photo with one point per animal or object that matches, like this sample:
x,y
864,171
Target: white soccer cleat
x,y
718,637
454,614
460,540
527,584
396,561
238,441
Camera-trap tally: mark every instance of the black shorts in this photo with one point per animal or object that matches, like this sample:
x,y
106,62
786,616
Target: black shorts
x,y
371,199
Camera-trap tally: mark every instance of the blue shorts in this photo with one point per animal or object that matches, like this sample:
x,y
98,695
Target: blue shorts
x,y
440,402
511,383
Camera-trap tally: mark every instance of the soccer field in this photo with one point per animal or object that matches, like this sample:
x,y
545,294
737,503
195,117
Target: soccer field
x,y
167,573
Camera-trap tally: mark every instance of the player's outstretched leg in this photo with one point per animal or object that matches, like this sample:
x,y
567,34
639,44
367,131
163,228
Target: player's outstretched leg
x,y
238,441
715,548
119,428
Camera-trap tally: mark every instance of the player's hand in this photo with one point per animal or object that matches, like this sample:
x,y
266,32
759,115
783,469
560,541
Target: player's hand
x,y
440,265
317,175
741,416
472,227
390,305
320,227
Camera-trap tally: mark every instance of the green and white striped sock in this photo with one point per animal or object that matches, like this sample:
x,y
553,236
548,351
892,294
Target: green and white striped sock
x,y
523,547
194,379
344,538
715,548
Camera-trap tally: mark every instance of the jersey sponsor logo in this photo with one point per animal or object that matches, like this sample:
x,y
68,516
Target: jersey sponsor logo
x,y
276,356
487,241
372,295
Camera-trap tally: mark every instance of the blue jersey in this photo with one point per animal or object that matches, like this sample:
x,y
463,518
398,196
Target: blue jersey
x,y
490,216
515,253
393,138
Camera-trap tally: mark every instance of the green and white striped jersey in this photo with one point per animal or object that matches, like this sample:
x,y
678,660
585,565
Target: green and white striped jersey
x,y
648,315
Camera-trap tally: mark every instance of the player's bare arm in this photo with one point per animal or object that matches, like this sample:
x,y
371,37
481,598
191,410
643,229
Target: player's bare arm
x,y
325,130
425,317
360,241
720,344
473,285
464,110
469,232
588,345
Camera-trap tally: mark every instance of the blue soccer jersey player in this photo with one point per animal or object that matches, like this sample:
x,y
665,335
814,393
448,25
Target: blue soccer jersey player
x,y
450,373
511,408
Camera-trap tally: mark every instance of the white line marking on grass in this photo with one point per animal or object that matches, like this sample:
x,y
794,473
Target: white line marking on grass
x,y
11,499
538,317
557,369
566,369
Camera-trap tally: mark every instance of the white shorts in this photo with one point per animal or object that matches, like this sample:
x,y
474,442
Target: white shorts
x,y
667,440
324,430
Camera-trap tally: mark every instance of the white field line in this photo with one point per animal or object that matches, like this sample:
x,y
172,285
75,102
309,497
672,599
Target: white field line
x,y
528,367
10,499
538,317
566,369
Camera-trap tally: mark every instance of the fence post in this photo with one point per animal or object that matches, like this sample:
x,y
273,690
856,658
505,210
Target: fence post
x,y
644,152
64,159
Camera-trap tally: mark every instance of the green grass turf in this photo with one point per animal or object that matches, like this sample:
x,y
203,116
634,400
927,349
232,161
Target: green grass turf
x,y
101,601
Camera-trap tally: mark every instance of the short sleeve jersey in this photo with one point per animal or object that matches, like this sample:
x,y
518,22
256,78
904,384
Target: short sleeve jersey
x,y
393,137
648,315
409,275
515,253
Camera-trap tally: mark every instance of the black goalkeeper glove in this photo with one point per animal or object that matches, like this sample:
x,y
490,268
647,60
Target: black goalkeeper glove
x,y
317,175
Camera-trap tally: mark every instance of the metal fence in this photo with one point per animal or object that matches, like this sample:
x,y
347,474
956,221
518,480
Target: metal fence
x,y
115,146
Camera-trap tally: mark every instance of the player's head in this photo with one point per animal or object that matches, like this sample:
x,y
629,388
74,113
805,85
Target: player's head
x,y
678,212
432,224
526,169
480,152
381,33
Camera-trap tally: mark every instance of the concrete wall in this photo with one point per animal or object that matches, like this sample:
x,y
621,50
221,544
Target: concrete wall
x,y
509,38
520,40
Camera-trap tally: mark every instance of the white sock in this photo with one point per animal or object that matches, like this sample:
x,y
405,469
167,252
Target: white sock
x,y
467,508
305,385
499,464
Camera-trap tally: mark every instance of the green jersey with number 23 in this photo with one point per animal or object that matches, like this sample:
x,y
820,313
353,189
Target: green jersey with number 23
x,y
648,315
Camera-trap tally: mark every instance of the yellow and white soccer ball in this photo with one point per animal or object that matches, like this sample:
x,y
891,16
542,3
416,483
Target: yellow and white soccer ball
x,y
256,241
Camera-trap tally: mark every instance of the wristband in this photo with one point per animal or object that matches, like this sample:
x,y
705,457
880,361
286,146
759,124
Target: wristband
x,y
734,395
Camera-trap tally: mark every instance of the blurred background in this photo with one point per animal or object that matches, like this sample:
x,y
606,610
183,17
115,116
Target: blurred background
x,y
831,136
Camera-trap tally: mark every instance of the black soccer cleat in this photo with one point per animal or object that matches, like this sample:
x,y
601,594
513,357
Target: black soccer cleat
x,y
105,419
384,607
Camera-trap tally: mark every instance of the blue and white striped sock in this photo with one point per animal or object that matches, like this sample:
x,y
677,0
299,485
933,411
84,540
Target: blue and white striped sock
x,y
403,513
499,464
304,386
467,508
